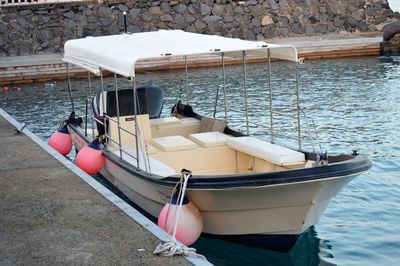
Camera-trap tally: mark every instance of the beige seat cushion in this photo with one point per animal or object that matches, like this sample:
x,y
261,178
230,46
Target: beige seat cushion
x,y
164,121
209,139
265,150
174,143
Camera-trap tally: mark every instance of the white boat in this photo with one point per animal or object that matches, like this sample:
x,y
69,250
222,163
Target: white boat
x,y
247,190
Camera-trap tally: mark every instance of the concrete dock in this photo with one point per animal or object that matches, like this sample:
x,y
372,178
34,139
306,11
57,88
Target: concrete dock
x,y
37,68
51,216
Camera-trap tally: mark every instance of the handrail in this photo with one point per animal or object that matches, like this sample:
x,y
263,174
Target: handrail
x,y
35,2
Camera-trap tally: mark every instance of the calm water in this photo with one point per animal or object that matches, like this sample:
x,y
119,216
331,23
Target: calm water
x,y
355,104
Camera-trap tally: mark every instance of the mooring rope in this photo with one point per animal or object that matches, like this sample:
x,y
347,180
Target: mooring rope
x,y
171,246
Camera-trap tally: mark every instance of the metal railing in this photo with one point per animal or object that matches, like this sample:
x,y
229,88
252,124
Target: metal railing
x,y
34,2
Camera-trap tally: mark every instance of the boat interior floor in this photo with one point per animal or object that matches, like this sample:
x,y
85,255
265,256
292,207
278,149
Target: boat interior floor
x,y
199,145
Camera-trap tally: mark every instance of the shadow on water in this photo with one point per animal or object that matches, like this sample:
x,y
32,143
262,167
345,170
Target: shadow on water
x,y
305,252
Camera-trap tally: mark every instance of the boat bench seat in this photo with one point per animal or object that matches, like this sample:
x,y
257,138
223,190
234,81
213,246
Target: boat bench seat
x,y
267,151
156,167
164,121
209,139
173,143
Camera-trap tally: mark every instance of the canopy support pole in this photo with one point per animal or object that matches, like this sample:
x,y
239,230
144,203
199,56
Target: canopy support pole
x,y
298,103
187,81
245,92
136,123
224,86
118,120
69,88
271,123
90,105
102,94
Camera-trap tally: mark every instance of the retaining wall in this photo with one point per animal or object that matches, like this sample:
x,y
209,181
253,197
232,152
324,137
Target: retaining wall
x,y
43,29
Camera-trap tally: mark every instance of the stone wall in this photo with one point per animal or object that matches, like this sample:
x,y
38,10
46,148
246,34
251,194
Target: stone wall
x,y
42,28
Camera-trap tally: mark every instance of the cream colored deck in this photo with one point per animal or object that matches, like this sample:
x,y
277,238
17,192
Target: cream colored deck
x,y
180,144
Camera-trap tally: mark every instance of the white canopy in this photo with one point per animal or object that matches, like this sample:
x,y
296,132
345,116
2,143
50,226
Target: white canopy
x,y
119,53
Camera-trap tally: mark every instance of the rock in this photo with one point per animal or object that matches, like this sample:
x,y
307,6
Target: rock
x,y
205,10
331,27
180,21
146,17
155,10
256,10
167,18
165,7
321,28
191,10
310,31
25,48
283,20
248,35
91,19
200,25
8,17
25,12
284,32
79,31
273,5
87,11
218,10
14,36
380,20
133,28
332,5
133,13
22,21
396,15
211,19
370,11
122,7
337,22
298,28
227,18
372,28
266,20
391,29
41,12
181,8
69,14
45,35
189,18
15,25
114,29
255,23
313,20
82,20
104,12
3,28
107,22
352,22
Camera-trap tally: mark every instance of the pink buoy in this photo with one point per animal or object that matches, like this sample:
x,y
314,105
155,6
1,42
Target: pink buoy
x,y
61,141
190,224
90,158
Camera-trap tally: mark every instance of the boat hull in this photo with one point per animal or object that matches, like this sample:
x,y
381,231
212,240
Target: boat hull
x,y
270,216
